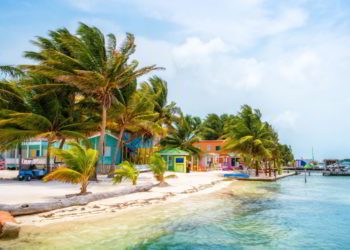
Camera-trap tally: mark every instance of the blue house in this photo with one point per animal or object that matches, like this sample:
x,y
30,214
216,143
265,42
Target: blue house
x,y
34,151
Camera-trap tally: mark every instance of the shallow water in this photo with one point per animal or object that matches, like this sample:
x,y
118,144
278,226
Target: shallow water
x,y
288,214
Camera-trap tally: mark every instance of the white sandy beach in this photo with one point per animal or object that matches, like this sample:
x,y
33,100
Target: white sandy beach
x,y
14,192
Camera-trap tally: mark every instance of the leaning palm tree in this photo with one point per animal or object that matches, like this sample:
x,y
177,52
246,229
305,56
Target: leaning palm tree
x,y
250,136
86,61
127,171
79,166
133,113
45,118
11,71
157,89
12,98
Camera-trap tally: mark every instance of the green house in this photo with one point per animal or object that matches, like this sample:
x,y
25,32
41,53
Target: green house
x,y
176,159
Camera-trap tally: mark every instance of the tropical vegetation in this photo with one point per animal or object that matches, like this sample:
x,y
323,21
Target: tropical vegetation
x,y
84,82
255,140
126,171
184,134
78,168
159,166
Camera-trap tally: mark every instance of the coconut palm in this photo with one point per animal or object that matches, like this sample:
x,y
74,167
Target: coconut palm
x,y
213,127
86,61
184,134
250,136
11,71
12,98
157,89
134,114
127,171
45,118
79,165
158,166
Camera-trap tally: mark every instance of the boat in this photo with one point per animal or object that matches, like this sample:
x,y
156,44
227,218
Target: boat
x,y
237,175
337,170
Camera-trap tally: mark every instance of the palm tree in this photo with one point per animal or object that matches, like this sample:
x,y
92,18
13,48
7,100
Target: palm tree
x,y
11,71
158,166
126,171
79,165
133,113
12,98
157,89
45,118
87,62
250,137
213,127
184,134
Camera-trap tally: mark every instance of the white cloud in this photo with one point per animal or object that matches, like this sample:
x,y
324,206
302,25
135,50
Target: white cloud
x,y
194,51
274,55
240,22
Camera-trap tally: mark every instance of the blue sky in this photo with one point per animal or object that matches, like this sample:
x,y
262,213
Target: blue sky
x,y
291,59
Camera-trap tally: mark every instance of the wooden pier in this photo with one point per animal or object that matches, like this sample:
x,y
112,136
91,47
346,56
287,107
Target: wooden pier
x,y
267,178
335,173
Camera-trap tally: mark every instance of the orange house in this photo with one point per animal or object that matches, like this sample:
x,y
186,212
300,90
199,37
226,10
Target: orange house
x,y
213,156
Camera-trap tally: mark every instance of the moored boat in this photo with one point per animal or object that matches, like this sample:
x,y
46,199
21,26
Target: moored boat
x,y
237,175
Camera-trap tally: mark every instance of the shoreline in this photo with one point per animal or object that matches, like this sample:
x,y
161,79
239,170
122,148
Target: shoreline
x,y
106,208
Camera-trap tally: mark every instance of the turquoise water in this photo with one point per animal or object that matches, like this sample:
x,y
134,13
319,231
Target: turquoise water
x,y
288,214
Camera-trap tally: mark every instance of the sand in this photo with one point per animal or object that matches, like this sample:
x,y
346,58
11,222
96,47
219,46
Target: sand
x,y
185,185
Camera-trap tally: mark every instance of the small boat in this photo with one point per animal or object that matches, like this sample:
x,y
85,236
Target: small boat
x,y
237,175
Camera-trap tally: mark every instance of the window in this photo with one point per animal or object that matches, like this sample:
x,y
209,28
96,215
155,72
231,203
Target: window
x,y
209,147
11,153
108,151
217,148
34,153
179,160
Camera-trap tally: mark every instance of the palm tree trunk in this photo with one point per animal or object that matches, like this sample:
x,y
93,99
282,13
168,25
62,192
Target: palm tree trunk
x,y
62,143
83,188
256,168
115,155
102,135
48,156
60,147
20,156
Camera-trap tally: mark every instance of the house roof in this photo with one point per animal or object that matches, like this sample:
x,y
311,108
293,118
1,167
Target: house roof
x,y
209,141
172,151
97,134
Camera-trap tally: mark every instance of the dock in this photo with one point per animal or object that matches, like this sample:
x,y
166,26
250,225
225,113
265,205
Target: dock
x,y
335,173
268,178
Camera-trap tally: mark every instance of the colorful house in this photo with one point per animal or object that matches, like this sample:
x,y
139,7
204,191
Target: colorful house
x,y
129,151
302,162
213,156
176,159
34,151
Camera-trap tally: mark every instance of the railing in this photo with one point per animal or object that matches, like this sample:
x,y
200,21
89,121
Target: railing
x,y
37,161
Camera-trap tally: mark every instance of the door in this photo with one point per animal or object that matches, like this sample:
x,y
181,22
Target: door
x,y
180,164
171,163
233,162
